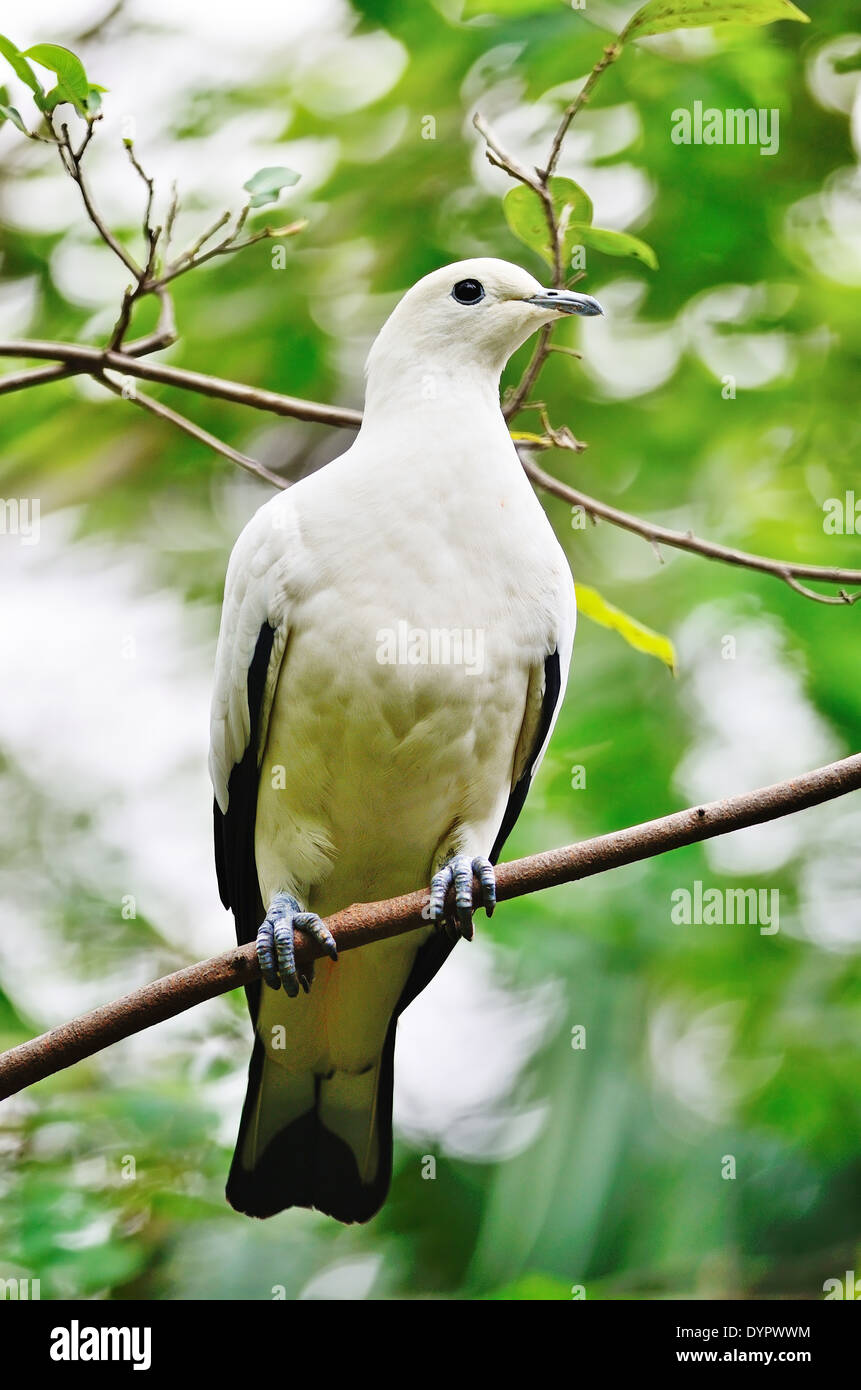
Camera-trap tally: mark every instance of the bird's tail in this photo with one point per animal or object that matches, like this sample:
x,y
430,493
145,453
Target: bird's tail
x,y
309,1140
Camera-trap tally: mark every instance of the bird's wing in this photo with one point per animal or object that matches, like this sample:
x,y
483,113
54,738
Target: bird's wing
x,y
543,703
251,644
542,707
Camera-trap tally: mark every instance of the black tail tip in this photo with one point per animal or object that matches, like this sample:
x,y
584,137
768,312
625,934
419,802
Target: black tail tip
x,y
306,1165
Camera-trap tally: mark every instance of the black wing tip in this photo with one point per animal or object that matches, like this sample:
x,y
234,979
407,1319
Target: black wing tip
x,y
519,793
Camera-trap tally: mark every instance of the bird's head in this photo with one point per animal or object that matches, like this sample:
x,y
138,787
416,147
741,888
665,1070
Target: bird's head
x,y
471,316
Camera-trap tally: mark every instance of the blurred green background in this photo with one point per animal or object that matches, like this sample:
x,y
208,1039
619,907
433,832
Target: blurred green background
x,y
555,1166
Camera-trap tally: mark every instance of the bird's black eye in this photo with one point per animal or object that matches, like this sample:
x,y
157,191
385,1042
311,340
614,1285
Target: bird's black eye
x,y
468,291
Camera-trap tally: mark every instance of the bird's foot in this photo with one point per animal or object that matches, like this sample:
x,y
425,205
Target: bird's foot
x,y
459,872
275,944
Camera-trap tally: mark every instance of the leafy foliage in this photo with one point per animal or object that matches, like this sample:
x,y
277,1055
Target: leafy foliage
x,y
599,1165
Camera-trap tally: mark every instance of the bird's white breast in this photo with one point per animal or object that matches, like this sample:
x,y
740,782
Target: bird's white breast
x,y
378,746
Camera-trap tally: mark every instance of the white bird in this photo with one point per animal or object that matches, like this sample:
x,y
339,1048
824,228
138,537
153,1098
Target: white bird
x,y
394,647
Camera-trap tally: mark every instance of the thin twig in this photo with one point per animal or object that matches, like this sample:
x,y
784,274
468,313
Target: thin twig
x,y
611,53
227,248
172,211
524,387
74,169
204,237
361,924
203,436
144,284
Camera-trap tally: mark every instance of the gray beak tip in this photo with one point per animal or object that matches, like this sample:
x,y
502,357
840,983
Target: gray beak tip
x,y
566,302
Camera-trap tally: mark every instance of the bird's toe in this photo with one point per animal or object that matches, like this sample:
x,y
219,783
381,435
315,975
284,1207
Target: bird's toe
x,y
312,924
266,954
486,875
285,955
462,875
458,874
276,944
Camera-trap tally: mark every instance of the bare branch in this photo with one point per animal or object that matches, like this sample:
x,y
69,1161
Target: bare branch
x,y
611,53
523,389
361,924
72,164
203,436
172,211
787,570
150,234
93,361
228,246
76,358
163,336
204,237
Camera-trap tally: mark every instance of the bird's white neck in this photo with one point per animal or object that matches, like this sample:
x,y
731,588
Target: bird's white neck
x,y
422,393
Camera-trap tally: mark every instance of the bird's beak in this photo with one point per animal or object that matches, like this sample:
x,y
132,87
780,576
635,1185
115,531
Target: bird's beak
x,y
565,302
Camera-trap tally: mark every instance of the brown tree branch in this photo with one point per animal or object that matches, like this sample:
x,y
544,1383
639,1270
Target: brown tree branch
x,y
164,335
788,571
362,923
93,361
203,436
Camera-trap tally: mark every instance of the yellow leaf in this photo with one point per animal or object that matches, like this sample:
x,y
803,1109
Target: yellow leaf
x,y
525,437
591,604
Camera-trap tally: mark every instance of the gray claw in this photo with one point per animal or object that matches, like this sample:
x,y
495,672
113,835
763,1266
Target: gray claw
x,y
459,872
276,949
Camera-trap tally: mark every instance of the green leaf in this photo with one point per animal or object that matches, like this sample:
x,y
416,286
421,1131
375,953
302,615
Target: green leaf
x,y
267,184
8,113
20,65
52,99
660,16
592,605
94,99
615,243
72,84
526,216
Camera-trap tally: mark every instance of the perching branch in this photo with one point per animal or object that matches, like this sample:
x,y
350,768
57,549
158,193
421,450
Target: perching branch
x,y
363,923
